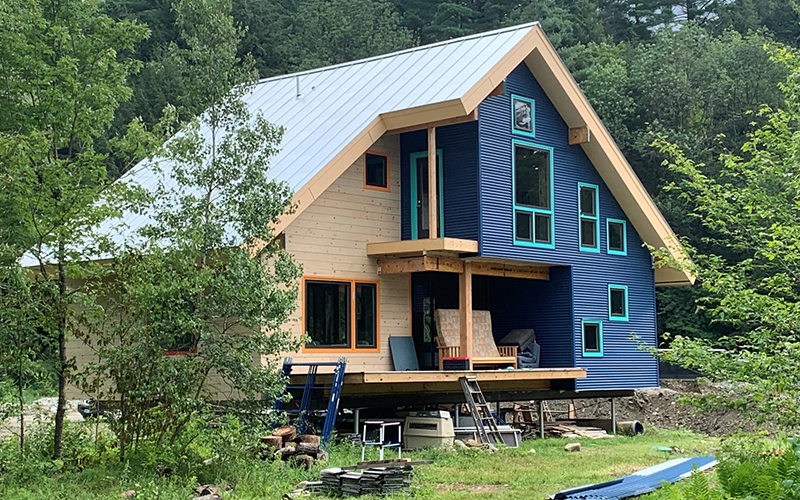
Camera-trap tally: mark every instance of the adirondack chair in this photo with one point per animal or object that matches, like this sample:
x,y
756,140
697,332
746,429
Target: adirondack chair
x,y
484,350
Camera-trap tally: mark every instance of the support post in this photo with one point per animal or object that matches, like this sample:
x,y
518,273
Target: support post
x,y
457,415
541,419
356,418
613,416
433,189
465,312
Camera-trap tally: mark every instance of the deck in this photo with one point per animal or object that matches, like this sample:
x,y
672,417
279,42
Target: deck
x,y
387,388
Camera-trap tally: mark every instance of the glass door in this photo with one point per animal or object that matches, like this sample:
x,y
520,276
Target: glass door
x,y
420,193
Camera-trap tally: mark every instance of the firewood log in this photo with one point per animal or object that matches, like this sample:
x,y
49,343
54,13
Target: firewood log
x,y
273,442
307,449
287,433
304,461
308,439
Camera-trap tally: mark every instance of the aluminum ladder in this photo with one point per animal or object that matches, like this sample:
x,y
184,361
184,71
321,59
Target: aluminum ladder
x,y
308,388
479,409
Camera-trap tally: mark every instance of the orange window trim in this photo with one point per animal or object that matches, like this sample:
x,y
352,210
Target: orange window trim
x,y
352,282
388,170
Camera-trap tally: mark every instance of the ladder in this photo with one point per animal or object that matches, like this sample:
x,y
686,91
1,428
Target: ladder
x,y
485,422
303,412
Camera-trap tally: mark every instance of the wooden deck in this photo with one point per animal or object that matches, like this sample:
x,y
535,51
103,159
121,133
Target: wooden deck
x,y
358,384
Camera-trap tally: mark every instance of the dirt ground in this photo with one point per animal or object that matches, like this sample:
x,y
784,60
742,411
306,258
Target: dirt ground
x,y
660,408
42,408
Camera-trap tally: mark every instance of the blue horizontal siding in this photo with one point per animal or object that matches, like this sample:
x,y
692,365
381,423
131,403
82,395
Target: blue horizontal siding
x,y
624,364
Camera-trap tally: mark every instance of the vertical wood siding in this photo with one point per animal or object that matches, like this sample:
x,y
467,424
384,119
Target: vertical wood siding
x,y
624,365
330,239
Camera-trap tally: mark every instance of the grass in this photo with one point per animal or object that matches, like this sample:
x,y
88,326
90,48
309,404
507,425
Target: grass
x,y
511,473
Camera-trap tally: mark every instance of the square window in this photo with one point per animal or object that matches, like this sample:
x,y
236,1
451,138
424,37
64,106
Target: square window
x,y
617,244
523,118
592,336
328,314
524,225
531,177
617,303
376,171
588,231
543,228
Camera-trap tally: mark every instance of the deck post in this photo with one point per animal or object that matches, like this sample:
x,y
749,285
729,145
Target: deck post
x,y
465,312
613,416
541,419
433,189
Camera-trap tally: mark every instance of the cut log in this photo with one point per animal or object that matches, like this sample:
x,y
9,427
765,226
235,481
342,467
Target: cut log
x,y
322,455
286,452
273,442
304,461
307,449
308,439
288,433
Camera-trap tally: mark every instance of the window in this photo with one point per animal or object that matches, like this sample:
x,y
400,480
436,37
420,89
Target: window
x,y
533,195
592,335
617,237
178,328
588,225
618,302
376,171
523,117
341,314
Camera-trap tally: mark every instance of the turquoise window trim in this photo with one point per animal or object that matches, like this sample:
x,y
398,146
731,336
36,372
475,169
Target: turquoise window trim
x,y
595,218
532,210
440,167
625,302
592,354
533,116
624,250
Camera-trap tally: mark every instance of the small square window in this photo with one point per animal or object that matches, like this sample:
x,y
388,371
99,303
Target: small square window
x,y
376,171
617,244
592,336
618,303
588,231
523,118
524,225
543,229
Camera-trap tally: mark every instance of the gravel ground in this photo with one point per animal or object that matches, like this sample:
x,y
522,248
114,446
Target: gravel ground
x,y
41,408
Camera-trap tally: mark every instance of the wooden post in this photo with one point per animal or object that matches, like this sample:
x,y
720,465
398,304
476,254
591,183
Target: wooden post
x,y
465,312
433,188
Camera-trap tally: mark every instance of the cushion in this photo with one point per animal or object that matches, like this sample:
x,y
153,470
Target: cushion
x,y
521,338
448,324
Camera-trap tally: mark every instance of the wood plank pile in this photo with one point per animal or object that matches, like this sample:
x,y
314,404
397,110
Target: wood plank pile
x,y
300,450
571,430
375,478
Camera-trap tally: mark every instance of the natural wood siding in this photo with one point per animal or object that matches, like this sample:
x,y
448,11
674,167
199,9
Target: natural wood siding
x,y
330,240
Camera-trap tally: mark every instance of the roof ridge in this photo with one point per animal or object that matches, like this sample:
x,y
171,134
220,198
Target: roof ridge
x,y
399,52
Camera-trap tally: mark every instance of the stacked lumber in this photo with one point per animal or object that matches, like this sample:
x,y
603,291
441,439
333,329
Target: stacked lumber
x,y
569,430
300,450
381,478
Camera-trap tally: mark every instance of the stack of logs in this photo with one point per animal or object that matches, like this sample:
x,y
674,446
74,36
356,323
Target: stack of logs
x,y
299,450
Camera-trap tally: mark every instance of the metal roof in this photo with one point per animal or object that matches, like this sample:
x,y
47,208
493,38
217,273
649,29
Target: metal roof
x,y
336,103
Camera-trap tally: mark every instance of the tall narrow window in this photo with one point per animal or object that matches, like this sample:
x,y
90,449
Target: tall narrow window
x,y
617,237
523,116
533,195
376,171
618,302
341,315
592,337
588,225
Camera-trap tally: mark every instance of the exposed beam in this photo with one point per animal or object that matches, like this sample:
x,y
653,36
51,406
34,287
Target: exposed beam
x,y
455,265
579,135
433,190
473,116
509,271
465,312
421,247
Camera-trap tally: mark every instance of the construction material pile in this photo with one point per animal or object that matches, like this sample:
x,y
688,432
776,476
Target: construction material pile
x,y
382,480
567,430
301,450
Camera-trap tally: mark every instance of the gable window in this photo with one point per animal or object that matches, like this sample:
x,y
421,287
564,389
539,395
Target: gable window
x,y
618,302
341,314
617,237
592,337
533,194
588,218
376,171
523,116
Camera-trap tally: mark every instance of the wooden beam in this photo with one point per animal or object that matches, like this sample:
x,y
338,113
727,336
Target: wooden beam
x,y
510,271
465,312
499,90
421,247
471,117
433,190
420,264
579,135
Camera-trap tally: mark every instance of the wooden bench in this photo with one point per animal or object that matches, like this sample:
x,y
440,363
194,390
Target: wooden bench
x,y
485,352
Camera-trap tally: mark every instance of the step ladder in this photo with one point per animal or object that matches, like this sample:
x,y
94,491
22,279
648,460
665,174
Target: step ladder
x,y
485,422
303,413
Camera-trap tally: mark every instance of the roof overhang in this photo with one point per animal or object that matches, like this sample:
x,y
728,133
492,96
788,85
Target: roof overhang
x,y
555,79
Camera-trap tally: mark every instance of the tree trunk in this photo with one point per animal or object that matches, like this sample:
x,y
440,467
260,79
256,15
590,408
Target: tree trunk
x,y
58,434
21,395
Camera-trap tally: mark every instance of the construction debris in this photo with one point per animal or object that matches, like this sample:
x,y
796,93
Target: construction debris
x,y
381,477
572,447
299,450
571,430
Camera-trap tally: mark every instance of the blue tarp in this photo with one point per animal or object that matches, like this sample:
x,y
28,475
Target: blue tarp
x,y
640,482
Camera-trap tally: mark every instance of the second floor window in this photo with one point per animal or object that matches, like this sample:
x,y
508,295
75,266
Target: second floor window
x,y
341,314
588,218
533,195
376,171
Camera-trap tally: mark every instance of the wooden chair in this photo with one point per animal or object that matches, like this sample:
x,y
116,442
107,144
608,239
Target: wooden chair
x,y
484,350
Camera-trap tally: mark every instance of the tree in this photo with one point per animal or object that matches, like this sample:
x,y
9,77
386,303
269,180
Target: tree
x,y
195,310
65,74
751,207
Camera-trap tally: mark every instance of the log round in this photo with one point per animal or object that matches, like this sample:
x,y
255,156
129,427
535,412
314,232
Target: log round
x,y
307,449
308,439
288,433
273,442
304,461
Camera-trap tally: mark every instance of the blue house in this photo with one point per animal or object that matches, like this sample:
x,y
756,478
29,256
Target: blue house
x,y
530,221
